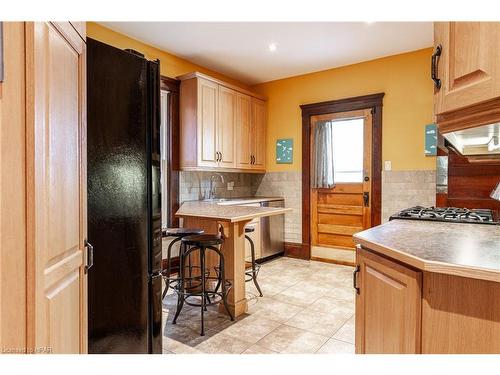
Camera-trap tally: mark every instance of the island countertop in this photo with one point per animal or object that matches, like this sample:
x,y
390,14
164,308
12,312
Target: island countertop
x,y
461,249
225,211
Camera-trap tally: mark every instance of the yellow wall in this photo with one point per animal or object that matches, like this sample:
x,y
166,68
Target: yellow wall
x,y
403,78
170,65
407,105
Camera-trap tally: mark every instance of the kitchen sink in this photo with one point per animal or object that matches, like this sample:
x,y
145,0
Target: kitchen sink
x,y
215,200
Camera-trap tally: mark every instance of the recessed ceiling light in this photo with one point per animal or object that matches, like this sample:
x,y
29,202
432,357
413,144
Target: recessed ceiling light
x,y
272,47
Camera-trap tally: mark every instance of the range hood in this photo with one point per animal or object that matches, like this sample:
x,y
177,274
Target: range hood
x,y
476,142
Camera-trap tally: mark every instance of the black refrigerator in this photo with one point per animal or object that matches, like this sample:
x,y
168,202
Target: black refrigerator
x,y
123,202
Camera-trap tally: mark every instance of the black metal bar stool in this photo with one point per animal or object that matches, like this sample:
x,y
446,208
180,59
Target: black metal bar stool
x,y
167,269
203,293
252,267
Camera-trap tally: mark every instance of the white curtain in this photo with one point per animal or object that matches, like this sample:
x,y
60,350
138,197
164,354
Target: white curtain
x,y
322,169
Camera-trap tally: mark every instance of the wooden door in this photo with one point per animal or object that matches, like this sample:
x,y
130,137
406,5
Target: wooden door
x,y
13,191
226,128
469,67
207,123
243,132
56,188
388,306
258,134
339,212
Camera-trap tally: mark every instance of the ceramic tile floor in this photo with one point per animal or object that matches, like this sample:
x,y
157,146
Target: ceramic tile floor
x,y
308,307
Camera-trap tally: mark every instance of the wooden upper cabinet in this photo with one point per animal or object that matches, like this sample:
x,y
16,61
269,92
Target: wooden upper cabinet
x,y
258,134
207,123
388,306
243,131
56,187
222,127
468,67
226,128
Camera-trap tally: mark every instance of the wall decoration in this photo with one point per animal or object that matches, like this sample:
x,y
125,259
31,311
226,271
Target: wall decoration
x,y
284,151
430,140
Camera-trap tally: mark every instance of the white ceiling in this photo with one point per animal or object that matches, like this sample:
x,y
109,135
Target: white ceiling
x,y
241,49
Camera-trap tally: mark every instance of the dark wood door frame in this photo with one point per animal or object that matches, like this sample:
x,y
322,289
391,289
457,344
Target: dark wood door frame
x,y
173,86
373,102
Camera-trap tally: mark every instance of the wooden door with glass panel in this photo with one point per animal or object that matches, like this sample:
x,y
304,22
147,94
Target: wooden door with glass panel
x,y
56,187
339,212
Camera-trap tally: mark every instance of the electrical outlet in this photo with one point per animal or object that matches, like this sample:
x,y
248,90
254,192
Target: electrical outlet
x,y
230,185
387,165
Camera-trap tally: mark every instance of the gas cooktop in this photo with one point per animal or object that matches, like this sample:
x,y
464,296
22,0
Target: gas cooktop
x,y
447,214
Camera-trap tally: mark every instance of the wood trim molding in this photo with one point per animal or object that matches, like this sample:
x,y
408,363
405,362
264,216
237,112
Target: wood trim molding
x,y
297,250
373,102
218,81
173,86
477,115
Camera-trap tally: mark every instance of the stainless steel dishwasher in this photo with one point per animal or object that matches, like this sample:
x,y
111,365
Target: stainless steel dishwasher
x,y
273,231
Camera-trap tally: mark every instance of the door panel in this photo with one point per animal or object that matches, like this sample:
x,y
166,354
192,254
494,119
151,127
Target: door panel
x,y
468,67
243,129
258,134
57,188
226,127
388,306
207,122
340,212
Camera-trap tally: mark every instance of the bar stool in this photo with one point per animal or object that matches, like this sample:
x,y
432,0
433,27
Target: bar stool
x,y
167,269
187,293
253,267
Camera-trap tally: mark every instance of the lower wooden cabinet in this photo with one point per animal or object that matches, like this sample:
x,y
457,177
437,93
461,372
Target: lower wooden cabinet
x,y
388,305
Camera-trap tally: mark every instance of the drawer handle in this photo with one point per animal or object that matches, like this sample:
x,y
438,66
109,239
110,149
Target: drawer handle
x,y
355,279
434,66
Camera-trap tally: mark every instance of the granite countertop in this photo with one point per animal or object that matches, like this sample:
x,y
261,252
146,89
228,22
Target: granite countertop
x,y
232,212
469,250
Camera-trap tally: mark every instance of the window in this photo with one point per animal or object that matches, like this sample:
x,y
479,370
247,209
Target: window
x,y
348,150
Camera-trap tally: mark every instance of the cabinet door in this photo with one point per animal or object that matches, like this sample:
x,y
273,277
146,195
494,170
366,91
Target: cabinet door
x,y
243,131
469,67
258,131
226,127
56,188
207,123
388,306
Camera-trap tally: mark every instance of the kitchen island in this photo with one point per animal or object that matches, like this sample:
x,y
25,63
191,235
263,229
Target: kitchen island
x,y
428,287
228,217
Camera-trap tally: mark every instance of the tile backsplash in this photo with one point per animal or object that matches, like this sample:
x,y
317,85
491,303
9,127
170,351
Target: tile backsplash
x,y
404,189
196,185
400,189
289,186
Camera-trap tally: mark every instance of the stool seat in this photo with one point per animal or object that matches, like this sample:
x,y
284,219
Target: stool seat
x,y
202,240
249,229
181,232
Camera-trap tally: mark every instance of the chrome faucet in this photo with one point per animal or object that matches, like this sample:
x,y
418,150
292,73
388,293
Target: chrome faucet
x,y
212,188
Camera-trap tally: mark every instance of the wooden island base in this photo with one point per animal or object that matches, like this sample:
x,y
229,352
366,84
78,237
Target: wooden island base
x,y
233,250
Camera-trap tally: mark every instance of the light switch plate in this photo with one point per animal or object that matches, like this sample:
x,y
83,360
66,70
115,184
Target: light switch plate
x,y
387,165
230,185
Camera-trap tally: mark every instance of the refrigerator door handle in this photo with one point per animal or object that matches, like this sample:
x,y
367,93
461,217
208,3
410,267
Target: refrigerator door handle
x,y
90,256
